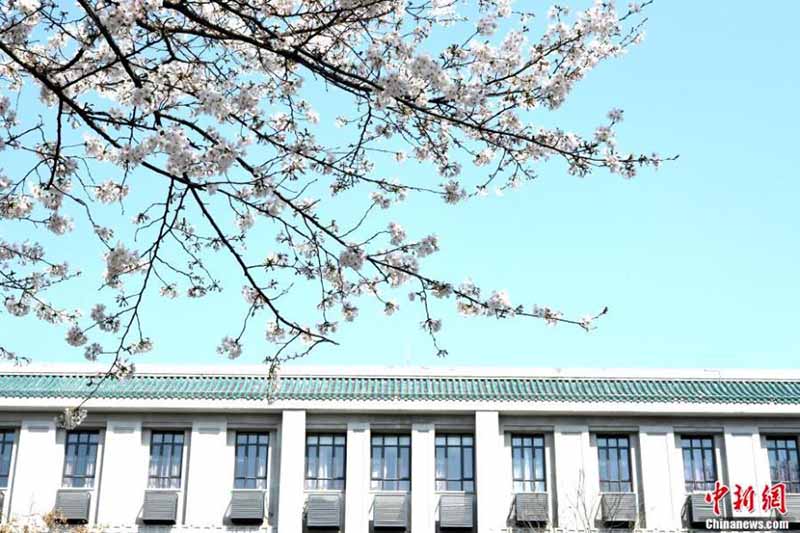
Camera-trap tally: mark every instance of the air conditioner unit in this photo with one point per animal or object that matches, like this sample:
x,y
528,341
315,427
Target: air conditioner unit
x,y
324,510
390,511
73,505
531,507
160,506
700,511
455,511
792,508
247,506
618,506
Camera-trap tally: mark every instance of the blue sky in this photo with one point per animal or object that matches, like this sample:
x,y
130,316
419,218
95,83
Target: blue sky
x,y
698,262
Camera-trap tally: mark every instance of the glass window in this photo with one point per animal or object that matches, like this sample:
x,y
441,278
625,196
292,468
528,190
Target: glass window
x,y
783,464
252,450
699,465
166,459
6,447
614,458
527,458
391,462
325,462
455,463
80,456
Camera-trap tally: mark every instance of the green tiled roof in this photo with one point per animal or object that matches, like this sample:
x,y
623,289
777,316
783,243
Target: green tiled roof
x,y
531,389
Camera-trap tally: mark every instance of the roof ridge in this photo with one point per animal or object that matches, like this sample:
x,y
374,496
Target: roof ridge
x,y
386,388
453,377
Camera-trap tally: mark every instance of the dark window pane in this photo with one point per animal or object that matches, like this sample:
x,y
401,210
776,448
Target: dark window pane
x,y
80,455
325,462
338,463
391,468
613,455
527,459
377,460
783,462
166,460
405,462
441,464
516,460
699,465
454,462
469,463
252,455
6,448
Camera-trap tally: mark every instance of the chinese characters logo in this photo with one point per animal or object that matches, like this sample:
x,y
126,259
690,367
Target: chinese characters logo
x,y
773,497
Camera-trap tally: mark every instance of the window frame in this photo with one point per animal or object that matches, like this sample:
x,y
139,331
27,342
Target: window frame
x,y
151,479
610,485
704,484
792,487
462,480
94,447
525,482
318,483
258,482
8,438
380,483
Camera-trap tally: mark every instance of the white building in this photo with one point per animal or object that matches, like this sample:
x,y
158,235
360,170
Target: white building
x,y
359,450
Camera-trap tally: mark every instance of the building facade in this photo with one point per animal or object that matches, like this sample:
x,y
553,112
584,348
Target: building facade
x,y
394,449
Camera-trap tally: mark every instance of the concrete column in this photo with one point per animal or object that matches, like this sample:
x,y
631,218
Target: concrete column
x,y
357,500
656,444
489,449
423,478
210,473
125,463
763,474
40,464
577,486
679,494
292,471
505,471
742,448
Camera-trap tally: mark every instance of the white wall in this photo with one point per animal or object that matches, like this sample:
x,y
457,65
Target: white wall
x,y
40,461
292,472
126,459
357,497
423,478
122,476
656,445
491,493
210,472
576,477
743,449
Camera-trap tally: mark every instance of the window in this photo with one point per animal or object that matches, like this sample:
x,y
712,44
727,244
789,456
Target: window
x,y
252,451
80,455
527,457
391,462
699,466
454,463
783,464
325,462
6,447
166,460
614,458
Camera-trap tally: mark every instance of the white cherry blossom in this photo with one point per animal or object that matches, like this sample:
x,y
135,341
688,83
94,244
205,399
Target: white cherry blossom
x,y
166,134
